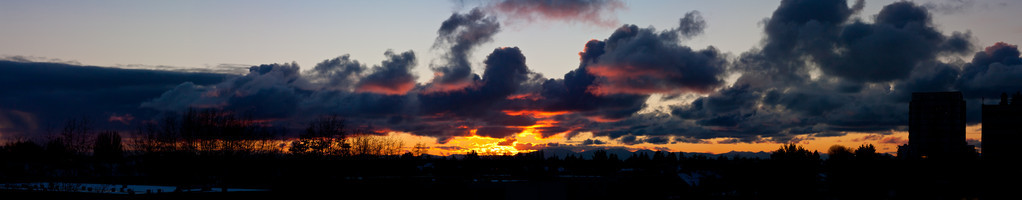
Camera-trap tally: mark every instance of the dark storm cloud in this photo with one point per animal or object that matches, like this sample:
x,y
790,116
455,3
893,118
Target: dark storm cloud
x,y
340,73
630,140
593,142
596,12
267,91
182,96
820,72
657,140
727,100
572,93
993,71
392,77
750,113
902,38
460,34
799,26
505,71
481,106
497,131
934,77
384,97
506,84
40,96
691,25
282,93
642,61
647,124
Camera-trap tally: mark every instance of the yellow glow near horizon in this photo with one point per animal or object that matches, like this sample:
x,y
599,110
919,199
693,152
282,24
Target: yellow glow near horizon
x,y
885,143
528,140
482,145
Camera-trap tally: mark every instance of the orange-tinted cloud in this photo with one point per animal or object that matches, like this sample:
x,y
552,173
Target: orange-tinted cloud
x,y
643,61
507,142
535,113
392,77
894,140
527,96
530,146
991,50
437,86
871,137
398,88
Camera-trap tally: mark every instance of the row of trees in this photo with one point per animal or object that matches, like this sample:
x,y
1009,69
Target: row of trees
x,y
76,138
217,132
864,152
329,136
206,132
214,132
836,153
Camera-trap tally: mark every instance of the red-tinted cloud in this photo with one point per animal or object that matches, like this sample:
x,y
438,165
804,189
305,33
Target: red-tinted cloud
x,y
396,88
507,142
894,140
124,119
642,61
596,12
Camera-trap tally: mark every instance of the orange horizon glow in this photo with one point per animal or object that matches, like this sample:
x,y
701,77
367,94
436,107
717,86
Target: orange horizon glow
x,y
884,143
484,145
529,140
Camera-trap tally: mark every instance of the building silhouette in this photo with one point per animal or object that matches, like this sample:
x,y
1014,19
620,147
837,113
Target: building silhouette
x,y
1002,126
936,127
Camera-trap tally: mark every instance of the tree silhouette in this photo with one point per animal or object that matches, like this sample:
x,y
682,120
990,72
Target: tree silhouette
x,y
366,145
74,137
600,155
472,155
298,147
21,150
420,149
838,152
108,146
866,152
794,152
324,134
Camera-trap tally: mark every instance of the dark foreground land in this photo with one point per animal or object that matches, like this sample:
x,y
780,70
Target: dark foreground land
x,y
525,176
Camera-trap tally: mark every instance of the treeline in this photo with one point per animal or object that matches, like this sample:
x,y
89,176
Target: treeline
x,y
212,148
211,132
205,132
792,172
836,153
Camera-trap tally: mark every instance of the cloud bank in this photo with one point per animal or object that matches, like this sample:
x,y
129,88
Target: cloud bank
x,y
821,70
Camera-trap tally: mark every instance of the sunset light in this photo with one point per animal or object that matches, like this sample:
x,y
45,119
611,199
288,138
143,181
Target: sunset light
x,y
509,99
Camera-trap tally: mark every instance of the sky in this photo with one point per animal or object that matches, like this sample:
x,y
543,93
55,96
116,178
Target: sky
x,y
515,75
